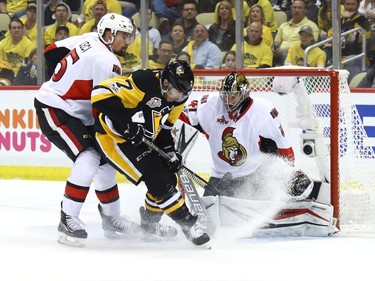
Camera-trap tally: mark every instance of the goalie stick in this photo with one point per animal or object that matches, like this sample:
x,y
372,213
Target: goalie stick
x,y
184,136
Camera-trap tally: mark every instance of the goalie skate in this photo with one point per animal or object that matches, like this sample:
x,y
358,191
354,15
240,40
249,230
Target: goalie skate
x,y
155,230
71,232
118,227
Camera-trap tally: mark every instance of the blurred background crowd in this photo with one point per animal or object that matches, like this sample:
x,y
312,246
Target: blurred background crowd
x,y
202,32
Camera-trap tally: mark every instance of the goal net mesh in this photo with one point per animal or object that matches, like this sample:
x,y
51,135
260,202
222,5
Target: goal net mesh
x,y
356,158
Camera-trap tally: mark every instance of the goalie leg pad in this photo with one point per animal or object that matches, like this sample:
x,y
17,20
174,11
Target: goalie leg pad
x,y
306,218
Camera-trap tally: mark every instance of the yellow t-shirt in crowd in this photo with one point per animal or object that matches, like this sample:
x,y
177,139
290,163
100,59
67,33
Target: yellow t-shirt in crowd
x,y
15,55
30,33
87,27
132,56
13,6
256,55
287,35
266,36
113,6
315,58
50,32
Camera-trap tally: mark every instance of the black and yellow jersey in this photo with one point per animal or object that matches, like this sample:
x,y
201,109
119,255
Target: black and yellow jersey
x,y
135,98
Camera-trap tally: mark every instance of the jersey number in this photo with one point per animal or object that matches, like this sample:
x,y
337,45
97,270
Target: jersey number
x,y
64,64
127,85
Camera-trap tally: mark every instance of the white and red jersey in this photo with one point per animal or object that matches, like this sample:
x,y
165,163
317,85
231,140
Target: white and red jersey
x,y
72,41
236,144
88,63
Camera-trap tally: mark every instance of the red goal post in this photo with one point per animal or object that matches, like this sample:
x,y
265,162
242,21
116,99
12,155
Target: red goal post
x,y
329,94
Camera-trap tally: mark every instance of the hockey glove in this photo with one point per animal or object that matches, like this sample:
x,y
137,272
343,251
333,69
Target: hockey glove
x,y
134,133
175,163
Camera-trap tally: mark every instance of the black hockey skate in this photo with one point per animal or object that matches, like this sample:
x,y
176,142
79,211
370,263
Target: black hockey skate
x,y
117,227
196,233
153,229
71,232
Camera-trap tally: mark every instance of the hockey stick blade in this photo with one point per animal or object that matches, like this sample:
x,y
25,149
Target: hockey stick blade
x,y
195,200
192,194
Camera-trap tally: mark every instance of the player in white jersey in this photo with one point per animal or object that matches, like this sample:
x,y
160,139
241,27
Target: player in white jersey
x,y
63,106
56,51
240,129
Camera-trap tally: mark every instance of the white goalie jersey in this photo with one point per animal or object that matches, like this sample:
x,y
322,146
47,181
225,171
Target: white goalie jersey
x,y
236,143
235,146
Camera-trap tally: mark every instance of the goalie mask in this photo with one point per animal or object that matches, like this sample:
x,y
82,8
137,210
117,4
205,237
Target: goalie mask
x,y
115,22
234,89
179,76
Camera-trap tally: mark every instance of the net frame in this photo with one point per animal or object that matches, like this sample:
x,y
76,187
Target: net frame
x,y
334,91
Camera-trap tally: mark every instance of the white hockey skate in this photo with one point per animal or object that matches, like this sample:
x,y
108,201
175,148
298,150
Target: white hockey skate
x,y
71,231
119,227
154,230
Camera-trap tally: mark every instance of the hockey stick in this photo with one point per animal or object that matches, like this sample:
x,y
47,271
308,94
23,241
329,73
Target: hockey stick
x,y
186,176
194,199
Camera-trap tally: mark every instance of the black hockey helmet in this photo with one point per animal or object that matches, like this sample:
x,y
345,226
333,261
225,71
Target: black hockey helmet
x,y
179,75
234,89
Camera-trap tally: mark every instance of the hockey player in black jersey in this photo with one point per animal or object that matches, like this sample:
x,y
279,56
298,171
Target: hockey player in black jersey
x,y
146,104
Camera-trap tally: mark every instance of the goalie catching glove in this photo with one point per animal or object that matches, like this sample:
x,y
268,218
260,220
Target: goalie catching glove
x,y
134,133
175,161
300,186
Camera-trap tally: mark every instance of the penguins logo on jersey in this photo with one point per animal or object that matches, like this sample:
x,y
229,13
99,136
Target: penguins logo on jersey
x,y
233,152
180,70
154,102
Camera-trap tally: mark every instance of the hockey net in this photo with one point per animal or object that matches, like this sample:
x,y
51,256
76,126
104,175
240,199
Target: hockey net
x,y
348,162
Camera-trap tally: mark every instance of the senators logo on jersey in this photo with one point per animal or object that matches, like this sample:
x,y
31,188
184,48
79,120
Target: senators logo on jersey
x,y
233,152
116,69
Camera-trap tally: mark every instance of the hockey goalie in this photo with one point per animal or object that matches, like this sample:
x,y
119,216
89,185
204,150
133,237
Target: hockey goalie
x,y
254,185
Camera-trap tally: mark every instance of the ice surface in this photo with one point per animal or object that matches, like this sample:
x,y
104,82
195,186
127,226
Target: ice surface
x,y
29,214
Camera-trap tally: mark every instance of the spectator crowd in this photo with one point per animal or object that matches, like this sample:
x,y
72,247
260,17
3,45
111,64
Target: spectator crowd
x,y
175,31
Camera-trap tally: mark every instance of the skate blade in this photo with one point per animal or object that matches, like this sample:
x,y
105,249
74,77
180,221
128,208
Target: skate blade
x,y
118,235
152,238
111,234
206,246
147,237
70,241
